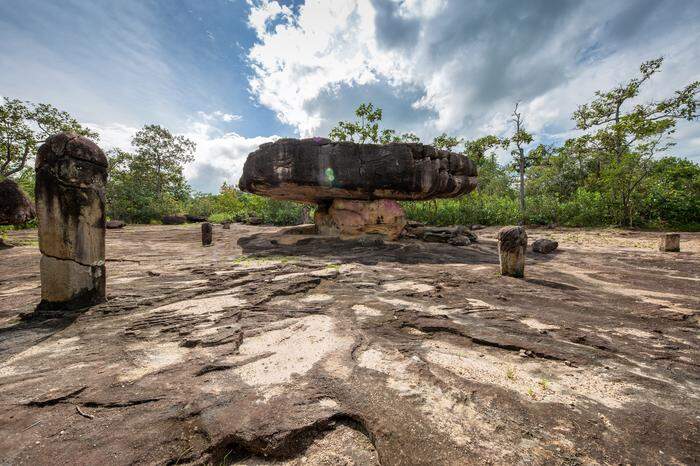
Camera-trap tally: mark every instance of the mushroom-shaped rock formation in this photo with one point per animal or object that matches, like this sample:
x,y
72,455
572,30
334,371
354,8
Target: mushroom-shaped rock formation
x,y
356,185
15,207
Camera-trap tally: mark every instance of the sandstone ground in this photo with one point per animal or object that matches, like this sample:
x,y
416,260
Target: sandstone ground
x,y
322,352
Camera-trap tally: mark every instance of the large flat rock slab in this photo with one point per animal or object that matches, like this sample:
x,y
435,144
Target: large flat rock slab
x,y
296,349
316,169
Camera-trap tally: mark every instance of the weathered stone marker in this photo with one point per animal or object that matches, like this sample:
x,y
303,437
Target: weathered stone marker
x,y
356,186
670,242
512,243
206,234
71,174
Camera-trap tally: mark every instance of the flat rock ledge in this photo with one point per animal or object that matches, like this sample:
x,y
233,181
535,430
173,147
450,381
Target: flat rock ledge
x,y
316,169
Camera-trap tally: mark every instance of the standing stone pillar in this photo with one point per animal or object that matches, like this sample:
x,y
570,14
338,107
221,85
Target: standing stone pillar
x,y
512,243
670,242
206,234
71,174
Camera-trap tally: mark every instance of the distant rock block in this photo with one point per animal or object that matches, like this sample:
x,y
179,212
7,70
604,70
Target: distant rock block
x,y
544,246
114,224
195,218
670,242
356,186
174,219
15,207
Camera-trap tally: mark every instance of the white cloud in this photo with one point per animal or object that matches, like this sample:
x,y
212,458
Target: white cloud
x,y
219,115
264,12
115,135
219,156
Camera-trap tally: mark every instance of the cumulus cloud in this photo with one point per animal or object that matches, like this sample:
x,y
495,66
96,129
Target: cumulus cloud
x,y
220,116
219,157
464,64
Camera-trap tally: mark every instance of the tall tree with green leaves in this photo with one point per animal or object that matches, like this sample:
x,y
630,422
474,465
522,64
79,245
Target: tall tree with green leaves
x,y
24,126
161,156
149,182
519,140
477,149
366,128
623,136
446,142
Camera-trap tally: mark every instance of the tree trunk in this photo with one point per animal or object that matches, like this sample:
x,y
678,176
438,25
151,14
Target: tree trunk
x,y
522,184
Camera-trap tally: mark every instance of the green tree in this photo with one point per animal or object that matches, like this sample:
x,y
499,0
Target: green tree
x,y
623,136
493,179
519,140
24,126
446,142
366,128
149,182
160,156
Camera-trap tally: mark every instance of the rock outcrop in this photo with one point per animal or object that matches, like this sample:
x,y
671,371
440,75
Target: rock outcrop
x,y
71,174
15,207
356,185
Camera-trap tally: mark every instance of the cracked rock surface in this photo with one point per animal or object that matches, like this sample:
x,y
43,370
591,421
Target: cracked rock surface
x,y
264,350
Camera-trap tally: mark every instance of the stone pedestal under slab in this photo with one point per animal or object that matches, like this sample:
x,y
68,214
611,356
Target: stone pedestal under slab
x,y
356,218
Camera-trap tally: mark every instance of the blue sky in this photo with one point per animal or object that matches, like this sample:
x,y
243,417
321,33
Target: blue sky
x,y
234,74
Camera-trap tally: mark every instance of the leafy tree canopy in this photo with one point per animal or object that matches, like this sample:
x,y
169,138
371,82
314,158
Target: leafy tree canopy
x,y
366,128
24,126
